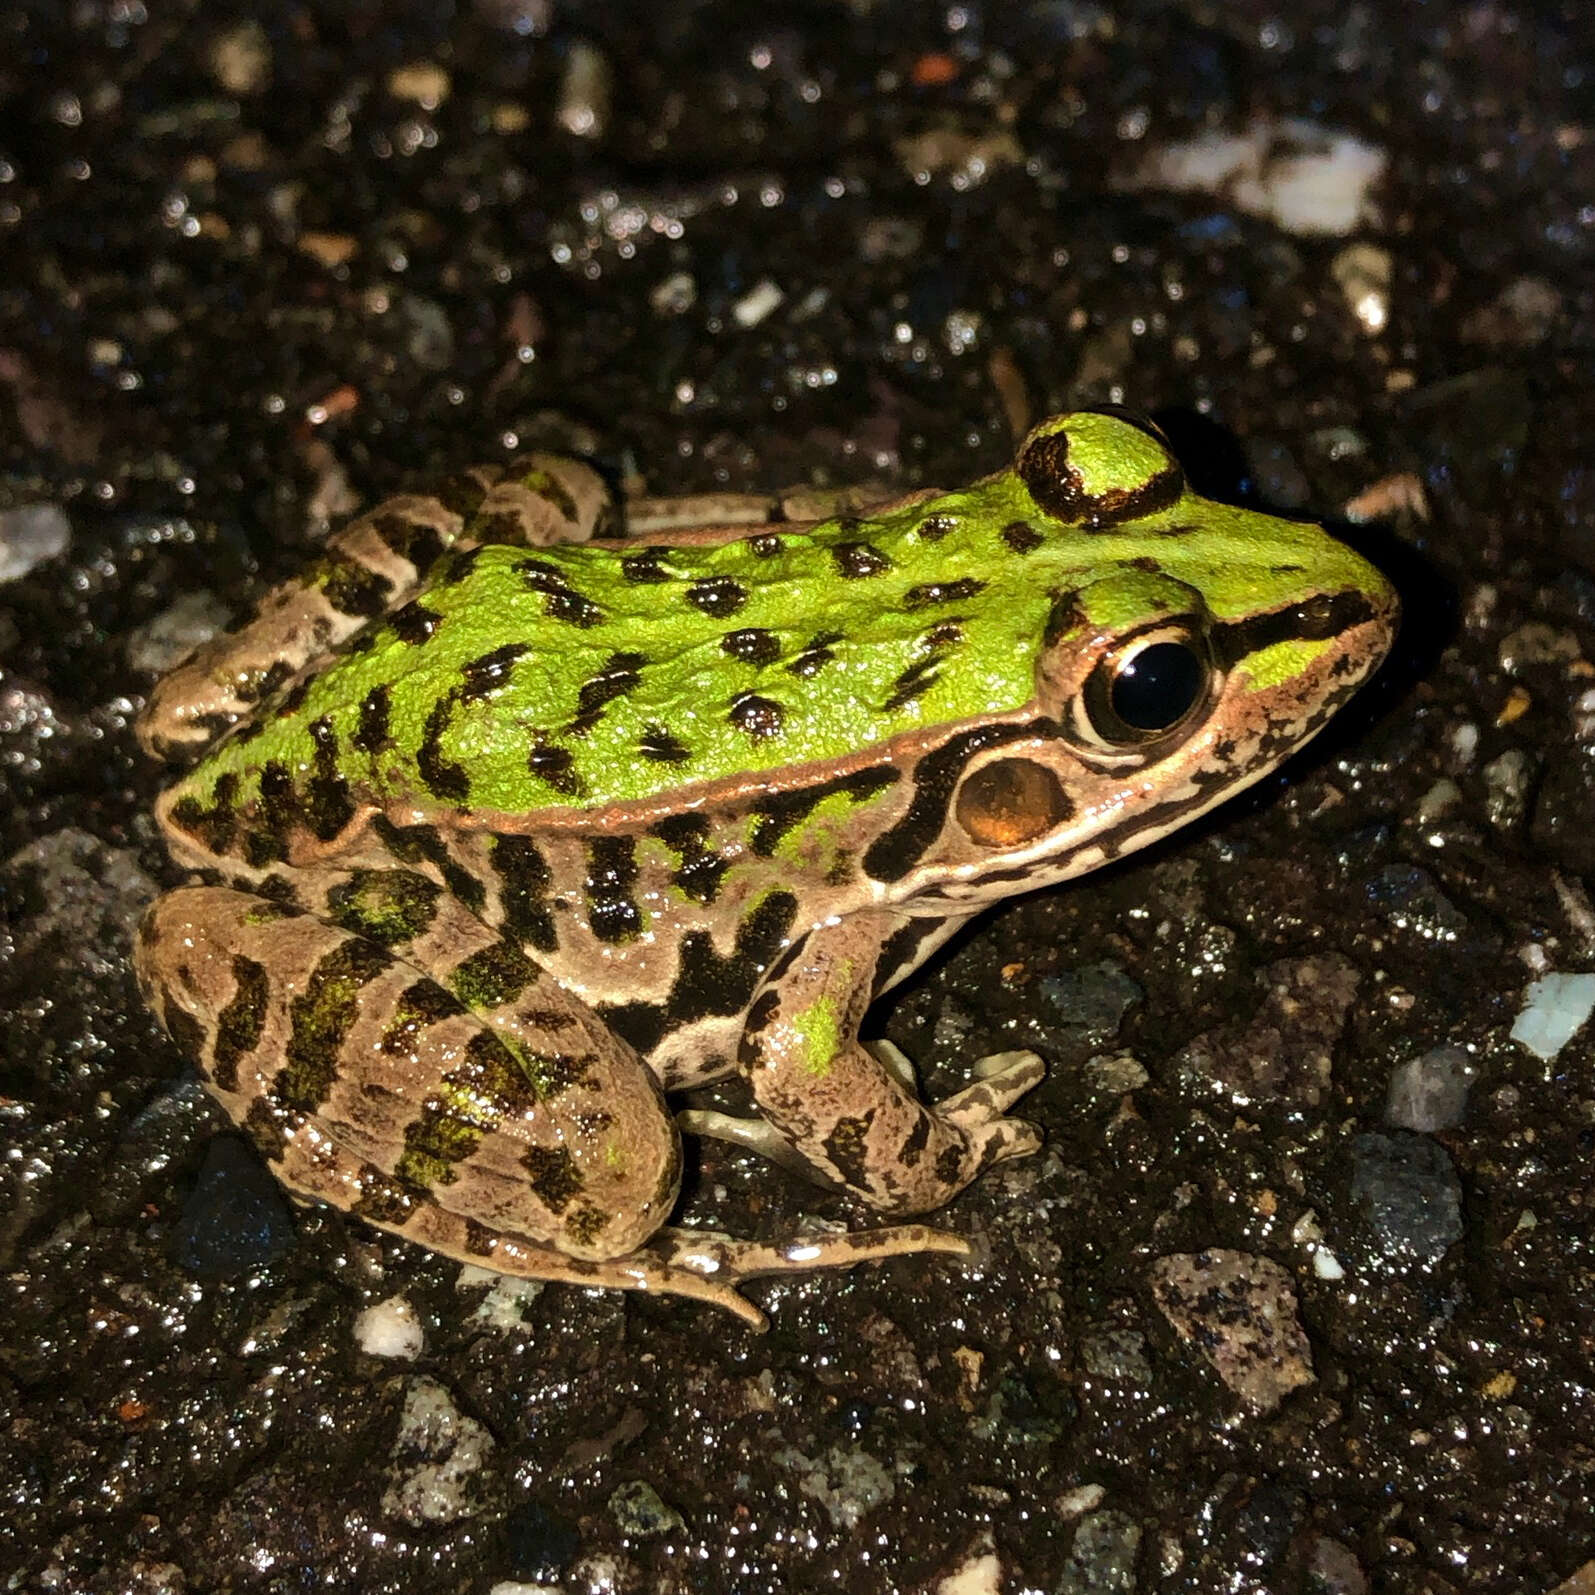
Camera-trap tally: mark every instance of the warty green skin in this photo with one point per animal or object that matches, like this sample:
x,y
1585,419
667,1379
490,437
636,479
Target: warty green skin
x,y
624,815
750,656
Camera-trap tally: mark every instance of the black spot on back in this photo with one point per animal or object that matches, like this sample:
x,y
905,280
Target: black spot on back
x,y
717,595
443,777
372,734
328,805
555,766
480,677
953,592
414,623
1021,537
620,673
753,646
662,746
816,655
560,600
856,561
645,567
756,716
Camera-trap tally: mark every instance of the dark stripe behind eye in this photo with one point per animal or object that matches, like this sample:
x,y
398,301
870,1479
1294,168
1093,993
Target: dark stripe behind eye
x,y
1314,621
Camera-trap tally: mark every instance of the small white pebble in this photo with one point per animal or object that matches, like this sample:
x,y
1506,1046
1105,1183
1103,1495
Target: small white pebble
x,y
1326,1265
1554,1010
390,1329
1080,1500
757,303
980,1575
1305,178
1465,743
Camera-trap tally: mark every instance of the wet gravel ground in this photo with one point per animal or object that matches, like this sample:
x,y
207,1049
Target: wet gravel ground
x,y
1298,1297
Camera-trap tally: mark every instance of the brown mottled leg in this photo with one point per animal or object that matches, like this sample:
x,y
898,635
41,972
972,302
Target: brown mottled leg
x,y
372,1086
369,568
848,1112
504,1125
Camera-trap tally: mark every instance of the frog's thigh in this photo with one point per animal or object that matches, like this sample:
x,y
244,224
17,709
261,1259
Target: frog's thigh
x,y
847,1111
367,569
371,1085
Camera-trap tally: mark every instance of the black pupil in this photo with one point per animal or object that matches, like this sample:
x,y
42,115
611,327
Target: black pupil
x,y
1157,687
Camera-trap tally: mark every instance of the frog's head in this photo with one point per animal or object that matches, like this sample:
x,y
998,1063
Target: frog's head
x,y
1189,647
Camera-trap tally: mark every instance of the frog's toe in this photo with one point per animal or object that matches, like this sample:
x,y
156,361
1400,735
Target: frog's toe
x,y
1007,1138
894,1059
752,1135
1004,1077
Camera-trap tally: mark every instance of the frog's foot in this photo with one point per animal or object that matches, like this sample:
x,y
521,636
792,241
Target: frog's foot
x,y
701,1265
719,1264
979,1109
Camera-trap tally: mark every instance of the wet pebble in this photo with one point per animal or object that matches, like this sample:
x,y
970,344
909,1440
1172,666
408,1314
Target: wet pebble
x,y
1411,900
1280,1053
1102,1558
1240,1313
1335,1570
1118,1354
29,535
1554,1010
640,1513
847,1481
437,1453
390,1329
1093,998
1431,1092
1408,1194
1508,781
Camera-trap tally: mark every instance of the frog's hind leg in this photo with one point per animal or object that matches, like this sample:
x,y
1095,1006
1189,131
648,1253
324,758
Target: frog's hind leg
x,y
367,569
371,1085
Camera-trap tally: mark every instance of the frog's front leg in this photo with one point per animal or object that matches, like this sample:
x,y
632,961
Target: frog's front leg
x,y
849,1112
367,569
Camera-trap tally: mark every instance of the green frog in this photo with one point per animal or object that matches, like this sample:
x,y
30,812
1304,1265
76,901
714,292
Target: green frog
x,y
507,827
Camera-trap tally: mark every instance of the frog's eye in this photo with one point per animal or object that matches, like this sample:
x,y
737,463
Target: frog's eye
x,y
1010,802
1149,686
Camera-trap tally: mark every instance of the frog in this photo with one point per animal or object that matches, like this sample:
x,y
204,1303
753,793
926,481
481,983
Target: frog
x,y
516,814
